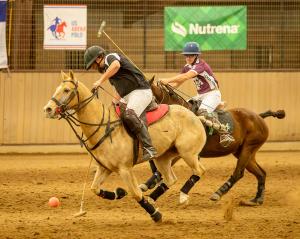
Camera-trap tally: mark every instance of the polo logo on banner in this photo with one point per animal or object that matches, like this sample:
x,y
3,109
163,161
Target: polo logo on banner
x,y
3,53
65,26
214,28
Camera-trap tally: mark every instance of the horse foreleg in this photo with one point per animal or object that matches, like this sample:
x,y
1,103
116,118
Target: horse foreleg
x,y
156,176
153,180
130,180
198,170
163,164
99,178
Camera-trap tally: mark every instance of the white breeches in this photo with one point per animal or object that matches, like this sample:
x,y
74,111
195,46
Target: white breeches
x,y
138,100
209,100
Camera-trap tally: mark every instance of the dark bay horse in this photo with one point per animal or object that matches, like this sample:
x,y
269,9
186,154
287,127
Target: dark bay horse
x,y
250,133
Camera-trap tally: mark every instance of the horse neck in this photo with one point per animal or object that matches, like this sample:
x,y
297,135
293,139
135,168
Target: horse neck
x,y
163,97
93,113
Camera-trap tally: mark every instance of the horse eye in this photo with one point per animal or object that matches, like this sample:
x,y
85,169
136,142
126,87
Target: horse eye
x,y
66,90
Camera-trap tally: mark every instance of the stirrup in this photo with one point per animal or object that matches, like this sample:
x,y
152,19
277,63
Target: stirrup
x,y
226,140
149,154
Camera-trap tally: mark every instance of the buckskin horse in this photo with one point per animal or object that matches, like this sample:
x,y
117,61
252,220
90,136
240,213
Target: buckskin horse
x,y
111,146
250,132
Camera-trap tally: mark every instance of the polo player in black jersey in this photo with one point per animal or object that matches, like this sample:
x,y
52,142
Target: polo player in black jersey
x,y
132,87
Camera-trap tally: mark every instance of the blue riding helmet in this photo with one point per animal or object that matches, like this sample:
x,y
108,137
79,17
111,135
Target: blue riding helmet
x,y
191,48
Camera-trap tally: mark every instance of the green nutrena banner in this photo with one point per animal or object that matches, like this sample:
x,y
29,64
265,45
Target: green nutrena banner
x,y
214,28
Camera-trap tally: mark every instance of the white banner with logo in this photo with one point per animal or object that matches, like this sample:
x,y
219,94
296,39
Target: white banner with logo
x,y
3,52
65,27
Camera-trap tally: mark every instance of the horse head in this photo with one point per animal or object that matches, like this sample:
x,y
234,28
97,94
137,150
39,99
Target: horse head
x,y
65,97
165,94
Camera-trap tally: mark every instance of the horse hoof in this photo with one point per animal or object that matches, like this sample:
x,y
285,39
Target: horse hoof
x,y
143,187
183,198
120,193
249,203
156,216
215,197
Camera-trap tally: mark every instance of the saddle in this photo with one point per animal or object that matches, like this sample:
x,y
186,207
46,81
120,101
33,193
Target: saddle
x,y
223,116
152,114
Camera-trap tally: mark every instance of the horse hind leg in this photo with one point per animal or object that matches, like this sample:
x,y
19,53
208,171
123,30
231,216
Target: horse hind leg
x,y
246,154
129,178
260,174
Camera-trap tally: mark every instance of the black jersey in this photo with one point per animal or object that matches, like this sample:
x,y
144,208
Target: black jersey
x,y
128,78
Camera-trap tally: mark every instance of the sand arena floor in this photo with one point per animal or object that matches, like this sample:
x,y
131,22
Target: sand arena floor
x,y
28,181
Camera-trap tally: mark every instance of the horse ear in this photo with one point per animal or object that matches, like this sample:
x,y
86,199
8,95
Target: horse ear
x,y
71,73
63,75
151,80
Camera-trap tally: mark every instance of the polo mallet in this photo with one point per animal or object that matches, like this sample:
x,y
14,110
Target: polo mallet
x,y
101,30
81,211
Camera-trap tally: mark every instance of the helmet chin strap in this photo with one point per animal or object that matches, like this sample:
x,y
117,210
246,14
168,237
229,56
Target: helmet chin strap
x,y
197,57
100,69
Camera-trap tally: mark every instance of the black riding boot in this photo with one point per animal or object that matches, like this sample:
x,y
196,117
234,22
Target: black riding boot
x,y
225,137
143,136
137,127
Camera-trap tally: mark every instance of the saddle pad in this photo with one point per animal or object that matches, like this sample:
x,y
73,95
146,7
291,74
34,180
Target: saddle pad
x,y
154,115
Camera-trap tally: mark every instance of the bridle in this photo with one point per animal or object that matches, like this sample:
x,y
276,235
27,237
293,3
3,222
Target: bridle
x,y
169,91
63,110
63,104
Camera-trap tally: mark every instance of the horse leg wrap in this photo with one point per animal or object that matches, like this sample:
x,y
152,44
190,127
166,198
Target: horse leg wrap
x,y
154,213
159,191
189,184
120,193
226,186
147,206
153,180
259,198
152,166
107,195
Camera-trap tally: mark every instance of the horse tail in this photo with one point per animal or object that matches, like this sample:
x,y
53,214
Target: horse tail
x,y
280,114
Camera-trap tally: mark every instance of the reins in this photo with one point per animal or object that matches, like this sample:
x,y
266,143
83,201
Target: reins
x,y
169,90
64,113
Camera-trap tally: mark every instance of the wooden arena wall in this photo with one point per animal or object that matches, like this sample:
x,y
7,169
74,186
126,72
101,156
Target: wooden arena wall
x,y
23,95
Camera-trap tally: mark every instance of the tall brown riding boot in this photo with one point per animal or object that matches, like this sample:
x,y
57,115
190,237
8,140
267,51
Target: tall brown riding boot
x,y
137,127
149,152
225,137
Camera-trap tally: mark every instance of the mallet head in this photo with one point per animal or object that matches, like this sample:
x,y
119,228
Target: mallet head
x,y
101,28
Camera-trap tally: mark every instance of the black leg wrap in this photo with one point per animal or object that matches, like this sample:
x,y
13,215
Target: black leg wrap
x,y
107,195
120,193
153,180
226,186
152,166
189,184
155,215
160,190
259,198
147,206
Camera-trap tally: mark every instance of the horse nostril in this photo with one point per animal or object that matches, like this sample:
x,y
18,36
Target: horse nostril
x,y
48,109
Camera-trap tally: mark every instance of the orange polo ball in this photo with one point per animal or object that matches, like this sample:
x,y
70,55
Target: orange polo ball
x,y
54,202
